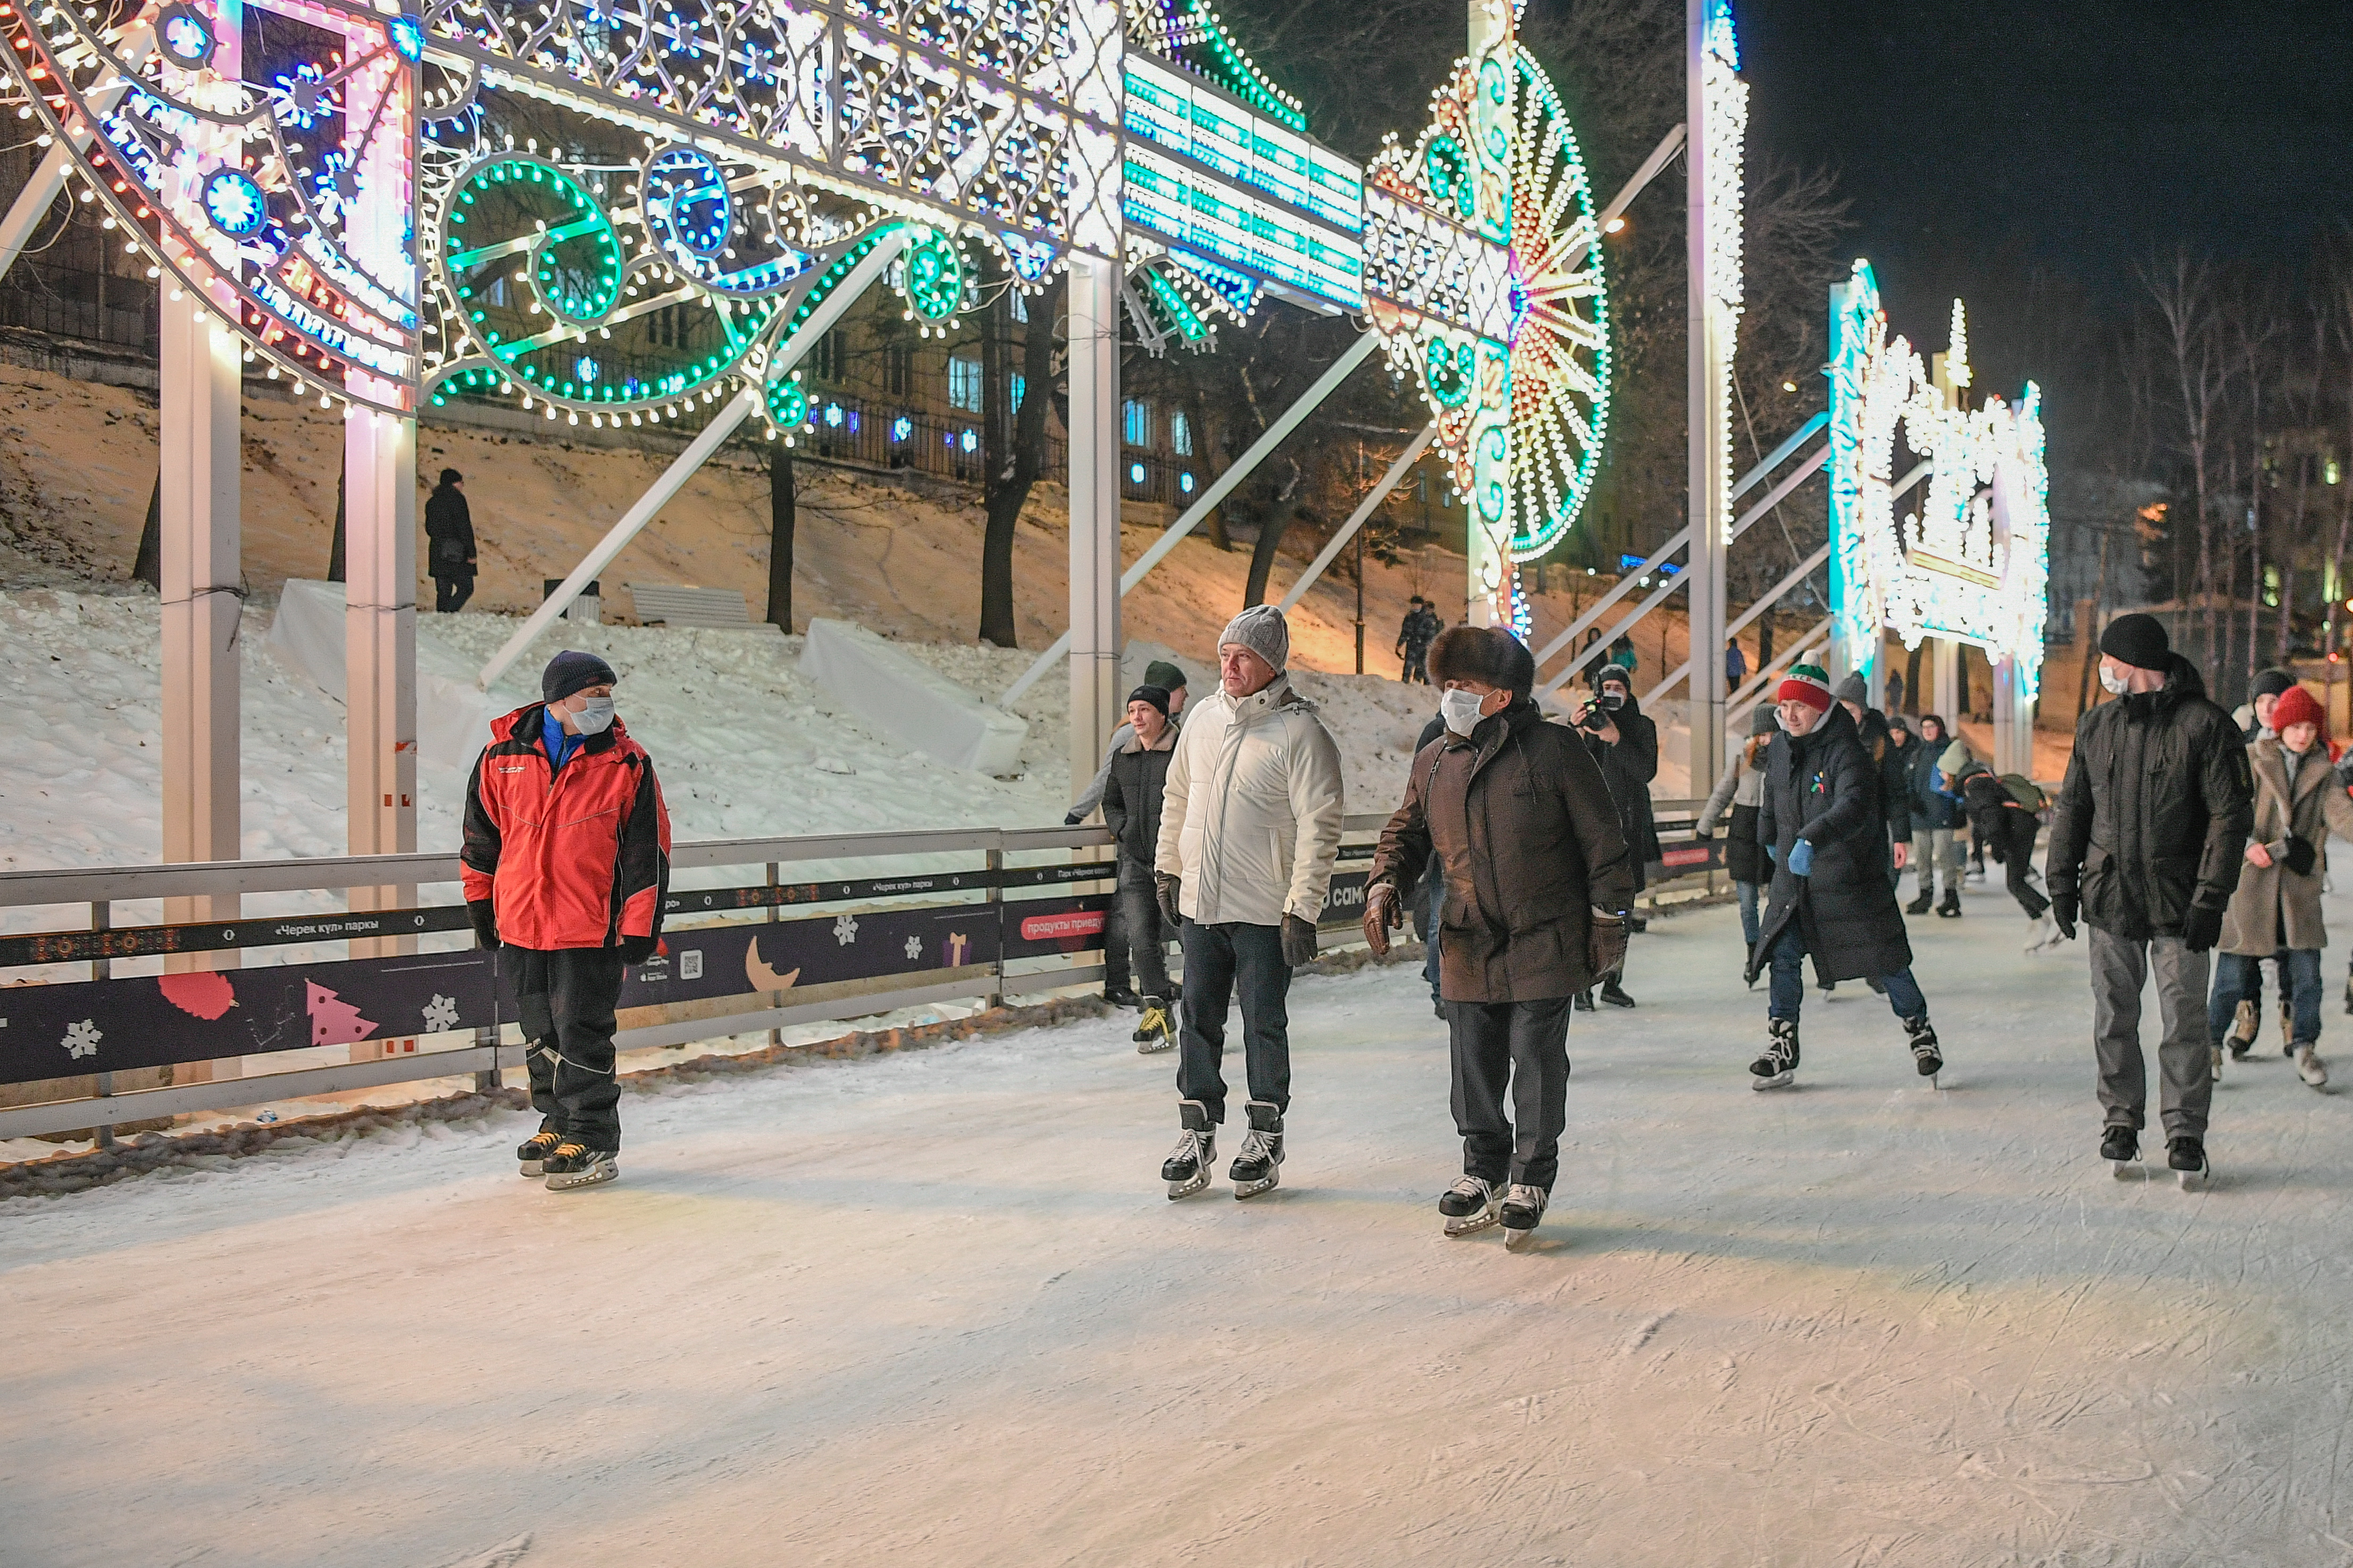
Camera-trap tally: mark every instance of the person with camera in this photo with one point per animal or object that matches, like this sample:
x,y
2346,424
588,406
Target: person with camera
x,y
1824,828
1625,745
2147,846
1512,814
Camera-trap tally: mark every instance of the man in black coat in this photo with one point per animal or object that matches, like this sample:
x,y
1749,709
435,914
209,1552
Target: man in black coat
x,y
1825,825
2146,844
1887,755
1130,808
449,544
1626,745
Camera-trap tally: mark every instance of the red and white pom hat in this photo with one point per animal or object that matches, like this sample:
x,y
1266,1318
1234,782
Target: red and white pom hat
x,y
1806,683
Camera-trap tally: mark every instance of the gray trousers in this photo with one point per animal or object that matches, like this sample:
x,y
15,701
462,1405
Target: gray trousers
x,y
1523,1046
2184,1056
1935,850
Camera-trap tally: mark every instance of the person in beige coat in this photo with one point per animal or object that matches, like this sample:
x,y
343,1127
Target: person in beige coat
x,y
2276,913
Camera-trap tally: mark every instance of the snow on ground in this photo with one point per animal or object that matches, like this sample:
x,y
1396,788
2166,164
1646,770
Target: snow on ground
x,y
935,1306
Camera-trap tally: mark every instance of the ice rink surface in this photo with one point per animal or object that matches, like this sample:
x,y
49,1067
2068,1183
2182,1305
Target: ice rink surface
x,y
934,1309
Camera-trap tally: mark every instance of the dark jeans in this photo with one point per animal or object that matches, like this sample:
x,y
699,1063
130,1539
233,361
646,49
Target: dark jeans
x,y
566,1000
450,593
2240,979
1430,944
1218,961
1788,991
1748,920
2018,833
1117,974
1417,666
1139,911
1526,1045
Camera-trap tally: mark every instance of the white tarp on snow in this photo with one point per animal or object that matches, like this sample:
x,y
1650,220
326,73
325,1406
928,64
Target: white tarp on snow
x,y
909,700
453,716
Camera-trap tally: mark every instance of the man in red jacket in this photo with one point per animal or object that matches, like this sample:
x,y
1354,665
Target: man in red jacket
x,y
566,861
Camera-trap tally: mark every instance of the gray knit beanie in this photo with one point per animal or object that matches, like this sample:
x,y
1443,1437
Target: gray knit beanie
x,y
1262,630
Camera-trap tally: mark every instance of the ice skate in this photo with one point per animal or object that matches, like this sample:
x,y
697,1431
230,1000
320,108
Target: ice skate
x,y
1615,994
1523,1211
537,1148
1155,1032
574,1164
2187,1156
2241,1038
2310,1067
1258,1166
2218,1062
1187,1169
1925,1053
2120,1147
1950,909
1920,905
1779,1065
2042,933
1470,1204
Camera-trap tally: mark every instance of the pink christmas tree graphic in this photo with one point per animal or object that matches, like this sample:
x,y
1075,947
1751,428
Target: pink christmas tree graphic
x,y
333,1021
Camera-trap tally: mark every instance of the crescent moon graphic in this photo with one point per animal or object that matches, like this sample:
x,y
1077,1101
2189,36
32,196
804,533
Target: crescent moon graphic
x,y
762,977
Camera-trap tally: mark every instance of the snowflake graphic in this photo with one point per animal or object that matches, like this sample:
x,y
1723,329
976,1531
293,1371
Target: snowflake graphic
x,y
81,1039
845,930
441,1014
915,948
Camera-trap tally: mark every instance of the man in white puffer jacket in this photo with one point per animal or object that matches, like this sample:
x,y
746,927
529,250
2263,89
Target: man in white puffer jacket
x,y
1250,824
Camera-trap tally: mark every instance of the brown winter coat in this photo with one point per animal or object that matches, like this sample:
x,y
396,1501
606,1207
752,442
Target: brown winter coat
x,y
2309,803
1528,837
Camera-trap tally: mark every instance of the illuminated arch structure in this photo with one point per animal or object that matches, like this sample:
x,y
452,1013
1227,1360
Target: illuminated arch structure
x,y
1971,564
387,204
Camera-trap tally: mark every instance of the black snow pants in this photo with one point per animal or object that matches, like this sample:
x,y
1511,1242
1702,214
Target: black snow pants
x,y
566,999
1523,1045
2016,845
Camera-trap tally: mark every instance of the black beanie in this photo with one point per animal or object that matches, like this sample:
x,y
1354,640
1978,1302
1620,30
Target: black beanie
x,y
1155,695
2272,683
570,672
2136,639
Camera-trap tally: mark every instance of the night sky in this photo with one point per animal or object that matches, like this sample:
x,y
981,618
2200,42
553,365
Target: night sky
x,y
1982,144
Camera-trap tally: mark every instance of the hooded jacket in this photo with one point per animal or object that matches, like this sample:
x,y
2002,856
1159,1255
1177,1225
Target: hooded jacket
x,y
2296,798
1931,808
1517,821
1823,787
1892,763
449,524
571,858
2154,816
1249,817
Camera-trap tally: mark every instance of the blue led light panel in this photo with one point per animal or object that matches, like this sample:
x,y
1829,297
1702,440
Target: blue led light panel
x,y
1182,203
1187,116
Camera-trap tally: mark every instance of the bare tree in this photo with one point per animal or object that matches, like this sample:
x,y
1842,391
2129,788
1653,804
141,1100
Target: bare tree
x,y
2182,291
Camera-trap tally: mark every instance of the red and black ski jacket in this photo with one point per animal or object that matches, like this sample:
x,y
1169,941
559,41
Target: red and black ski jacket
x,y
578,857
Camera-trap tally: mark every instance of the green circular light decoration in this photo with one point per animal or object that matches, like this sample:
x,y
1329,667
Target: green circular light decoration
x,y
933,277
787,404
1452,371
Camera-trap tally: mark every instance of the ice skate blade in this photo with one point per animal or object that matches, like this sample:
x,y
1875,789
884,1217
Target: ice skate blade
x,y
2193,1181
2124,1170
531,1171
1778,1080
1263,1184
1473,1223
1154,1047
1189,1186
595,1175
1517,1240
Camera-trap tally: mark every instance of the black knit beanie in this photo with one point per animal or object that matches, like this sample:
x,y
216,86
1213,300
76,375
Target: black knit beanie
x,y
2137,639
571,671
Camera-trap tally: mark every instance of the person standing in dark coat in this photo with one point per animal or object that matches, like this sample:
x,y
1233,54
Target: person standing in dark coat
x,y
1936,813
449,544
1626,745
1824,828
1414,634
2146,846
1130,808
1887,753
1525,837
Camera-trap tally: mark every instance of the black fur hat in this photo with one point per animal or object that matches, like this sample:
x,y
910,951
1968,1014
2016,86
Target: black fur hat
x,y
1489,655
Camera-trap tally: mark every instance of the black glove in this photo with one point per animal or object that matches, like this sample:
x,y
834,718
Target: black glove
x,y
1298,941
1074,818
2064,909
2299,858
486,924
635,950
2201,928
1170,887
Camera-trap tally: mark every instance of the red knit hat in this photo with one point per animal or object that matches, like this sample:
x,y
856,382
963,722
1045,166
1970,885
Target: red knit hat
x,y
2296,706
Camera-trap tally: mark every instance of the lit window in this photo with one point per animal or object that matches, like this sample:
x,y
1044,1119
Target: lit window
x,y
1135,422
1180,434
1017,387
1135,473
1020,303
964,384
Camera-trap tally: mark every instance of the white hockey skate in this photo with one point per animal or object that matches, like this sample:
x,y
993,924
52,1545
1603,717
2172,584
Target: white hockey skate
x,y
2043,934
2310,1067
1470,1206
1523,1211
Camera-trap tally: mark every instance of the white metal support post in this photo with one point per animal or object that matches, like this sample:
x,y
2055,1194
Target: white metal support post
x,y
1094,512
1712,301
198,388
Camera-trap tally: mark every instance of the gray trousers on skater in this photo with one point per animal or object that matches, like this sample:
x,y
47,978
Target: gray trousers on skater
x,y
2184,1056
1526,1045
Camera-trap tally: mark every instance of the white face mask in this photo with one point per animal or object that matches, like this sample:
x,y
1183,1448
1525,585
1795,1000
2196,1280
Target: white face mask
x,y
1460,709
2114,685
595,718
